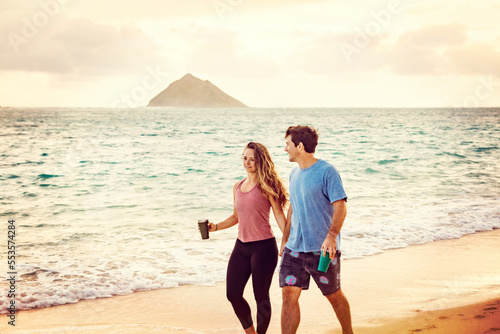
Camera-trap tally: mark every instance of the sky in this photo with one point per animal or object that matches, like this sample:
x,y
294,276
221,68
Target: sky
x,y
265,53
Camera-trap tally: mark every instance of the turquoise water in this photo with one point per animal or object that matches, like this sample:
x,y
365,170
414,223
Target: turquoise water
x,y
106,200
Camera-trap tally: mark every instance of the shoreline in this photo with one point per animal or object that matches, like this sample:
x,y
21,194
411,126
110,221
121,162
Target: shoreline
x,y
441,287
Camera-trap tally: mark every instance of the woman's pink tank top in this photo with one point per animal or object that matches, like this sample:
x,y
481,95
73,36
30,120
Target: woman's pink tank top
x,y
253,210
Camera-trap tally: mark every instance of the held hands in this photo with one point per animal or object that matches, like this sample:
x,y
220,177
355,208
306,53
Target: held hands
x,y
330,245
282,247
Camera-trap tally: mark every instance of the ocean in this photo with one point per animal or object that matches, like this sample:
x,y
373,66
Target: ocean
x,y
106,201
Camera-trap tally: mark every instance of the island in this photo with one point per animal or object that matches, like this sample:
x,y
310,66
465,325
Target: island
x,y
192,92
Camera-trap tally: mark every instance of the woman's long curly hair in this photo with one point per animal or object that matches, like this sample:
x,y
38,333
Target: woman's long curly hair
x,y
269,181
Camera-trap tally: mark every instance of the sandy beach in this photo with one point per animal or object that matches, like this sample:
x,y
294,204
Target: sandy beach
x,y
449,286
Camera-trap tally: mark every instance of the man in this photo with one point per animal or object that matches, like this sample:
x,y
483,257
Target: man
x,y
315,217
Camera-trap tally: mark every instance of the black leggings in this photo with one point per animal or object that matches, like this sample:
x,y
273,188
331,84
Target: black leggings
x,y
259,259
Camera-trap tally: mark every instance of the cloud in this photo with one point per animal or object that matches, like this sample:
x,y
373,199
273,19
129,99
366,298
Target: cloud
x,y
167,9
74,46
429,50
476,59
435,36
423,51
442,50
334,53
218,51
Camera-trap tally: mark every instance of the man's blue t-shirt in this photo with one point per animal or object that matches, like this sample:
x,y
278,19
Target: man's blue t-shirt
x,y
312,192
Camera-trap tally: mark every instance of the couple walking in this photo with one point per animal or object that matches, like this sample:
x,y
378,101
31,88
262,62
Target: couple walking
x,y
312,225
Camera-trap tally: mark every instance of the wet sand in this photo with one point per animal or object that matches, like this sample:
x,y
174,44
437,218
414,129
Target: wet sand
x,y
448,286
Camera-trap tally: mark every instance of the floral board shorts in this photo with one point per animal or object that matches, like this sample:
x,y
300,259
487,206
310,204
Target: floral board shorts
x,y
296,269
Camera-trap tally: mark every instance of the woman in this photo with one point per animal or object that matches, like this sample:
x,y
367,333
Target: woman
x,y
255,252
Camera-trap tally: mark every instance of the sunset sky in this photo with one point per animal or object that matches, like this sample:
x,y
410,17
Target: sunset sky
x,y
265,53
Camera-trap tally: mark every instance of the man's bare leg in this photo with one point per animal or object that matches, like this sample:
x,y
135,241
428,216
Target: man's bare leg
x,y
290,310
342,310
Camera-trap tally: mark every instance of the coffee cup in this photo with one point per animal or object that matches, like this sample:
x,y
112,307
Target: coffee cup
x,y
203,227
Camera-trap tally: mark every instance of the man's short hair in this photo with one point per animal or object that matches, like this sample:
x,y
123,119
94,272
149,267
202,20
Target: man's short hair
x,y
304,134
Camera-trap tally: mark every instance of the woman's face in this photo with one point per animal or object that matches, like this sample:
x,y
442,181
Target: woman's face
x,y
248,158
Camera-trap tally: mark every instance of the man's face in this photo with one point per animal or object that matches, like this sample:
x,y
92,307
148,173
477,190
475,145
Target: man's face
x,y
291,149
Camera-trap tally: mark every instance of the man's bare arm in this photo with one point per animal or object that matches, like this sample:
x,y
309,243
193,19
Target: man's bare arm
x,y
330,243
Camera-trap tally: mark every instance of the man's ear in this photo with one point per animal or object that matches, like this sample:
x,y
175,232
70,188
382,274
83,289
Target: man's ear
x,y
300,146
